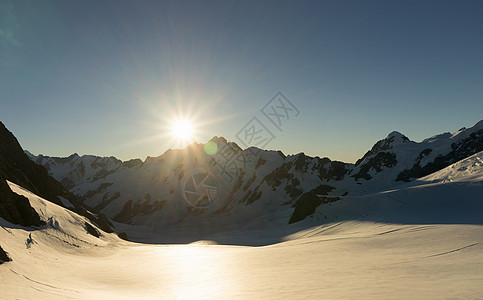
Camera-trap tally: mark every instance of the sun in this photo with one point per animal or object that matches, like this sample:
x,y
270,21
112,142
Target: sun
x,y
182,130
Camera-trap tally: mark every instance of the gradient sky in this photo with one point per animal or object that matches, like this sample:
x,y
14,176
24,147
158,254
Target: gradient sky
x,y
108,77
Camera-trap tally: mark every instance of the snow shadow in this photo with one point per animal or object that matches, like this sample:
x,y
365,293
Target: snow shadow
x,y
449,203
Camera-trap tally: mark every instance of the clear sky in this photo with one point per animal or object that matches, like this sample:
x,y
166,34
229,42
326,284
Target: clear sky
x,y
109,77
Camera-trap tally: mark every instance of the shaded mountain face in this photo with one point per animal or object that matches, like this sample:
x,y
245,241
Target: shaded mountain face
x,y
247,184
15,208
3,256
16,167
469,144
396,159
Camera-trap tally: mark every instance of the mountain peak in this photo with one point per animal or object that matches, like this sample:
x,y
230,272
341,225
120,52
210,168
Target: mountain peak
x,y
478,125
396,136
392,139
74,155
219,139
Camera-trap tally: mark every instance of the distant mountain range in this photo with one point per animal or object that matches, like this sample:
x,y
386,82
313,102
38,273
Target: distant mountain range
x,y
220,180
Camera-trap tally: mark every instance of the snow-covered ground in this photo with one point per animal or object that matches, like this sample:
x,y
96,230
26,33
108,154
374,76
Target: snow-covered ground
x,y
422,240
349,260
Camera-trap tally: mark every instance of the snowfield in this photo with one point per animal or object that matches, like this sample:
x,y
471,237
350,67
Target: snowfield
x,y
422,240
358,260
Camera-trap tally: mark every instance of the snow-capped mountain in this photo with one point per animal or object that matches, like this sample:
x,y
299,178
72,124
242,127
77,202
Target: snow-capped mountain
x,y
399,237
16,167
58,229
397,231
251,183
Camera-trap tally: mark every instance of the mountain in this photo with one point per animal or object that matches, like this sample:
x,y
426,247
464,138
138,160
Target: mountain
x,y
15,208
248,184
16,167
60,229
425,233
50,210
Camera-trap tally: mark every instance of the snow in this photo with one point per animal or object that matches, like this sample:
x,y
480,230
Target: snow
x,y
398,137
65,202
362,260
422,240
417,240
407,154
468,169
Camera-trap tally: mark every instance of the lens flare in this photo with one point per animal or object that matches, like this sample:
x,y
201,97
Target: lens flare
x,y
211,148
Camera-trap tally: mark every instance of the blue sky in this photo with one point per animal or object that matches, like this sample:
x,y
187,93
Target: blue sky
x,y
108,77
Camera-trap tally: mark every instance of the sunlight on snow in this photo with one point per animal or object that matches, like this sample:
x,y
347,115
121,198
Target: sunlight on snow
x,y
200,271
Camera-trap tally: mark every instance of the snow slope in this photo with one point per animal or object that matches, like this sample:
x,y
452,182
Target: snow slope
x,y
465,170
354,258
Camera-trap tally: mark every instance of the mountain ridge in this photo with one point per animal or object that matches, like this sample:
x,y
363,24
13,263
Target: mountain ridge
x,y
16,166
250,180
